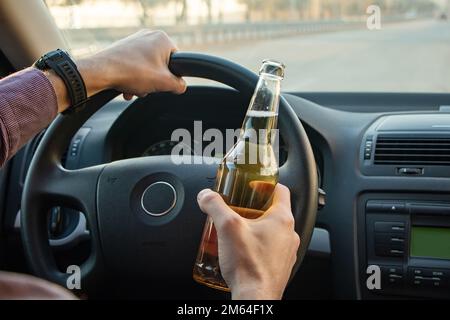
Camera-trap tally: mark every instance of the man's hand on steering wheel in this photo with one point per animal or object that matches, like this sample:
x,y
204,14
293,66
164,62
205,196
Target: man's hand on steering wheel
x,y
136,66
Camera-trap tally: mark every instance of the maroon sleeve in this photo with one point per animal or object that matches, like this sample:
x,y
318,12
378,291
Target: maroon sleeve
x,y
27,105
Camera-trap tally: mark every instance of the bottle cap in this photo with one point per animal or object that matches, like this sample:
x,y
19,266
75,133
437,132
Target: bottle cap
x,y
273,68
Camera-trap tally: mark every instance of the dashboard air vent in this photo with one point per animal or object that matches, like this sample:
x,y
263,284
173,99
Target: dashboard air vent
x,y
395,150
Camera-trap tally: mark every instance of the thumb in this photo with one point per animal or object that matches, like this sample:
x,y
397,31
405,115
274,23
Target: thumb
x,y
179,85
211,203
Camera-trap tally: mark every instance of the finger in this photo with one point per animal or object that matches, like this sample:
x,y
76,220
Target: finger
x,y
182,86
281,196
296,242
174,48
211,203
280,210
178,84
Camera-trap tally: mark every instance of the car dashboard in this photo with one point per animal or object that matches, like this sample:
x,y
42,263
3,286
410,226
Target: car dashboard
x,y
383,161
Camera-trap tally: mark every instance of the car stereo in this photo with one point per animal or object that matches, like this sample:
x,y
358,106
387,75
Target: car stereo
x,y
410,242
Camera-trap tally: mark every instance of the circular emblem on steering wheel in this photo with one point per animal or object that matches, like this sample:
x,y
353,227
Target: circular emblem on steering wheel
x,y
158,199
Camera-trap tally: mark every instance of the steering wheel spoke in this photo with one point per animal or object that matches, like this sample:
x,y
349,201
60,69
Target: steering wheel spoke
x,y
75,189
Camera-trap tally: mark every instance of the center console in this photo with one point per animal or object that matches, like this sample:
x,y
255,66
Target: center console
x,y
405,228
410,241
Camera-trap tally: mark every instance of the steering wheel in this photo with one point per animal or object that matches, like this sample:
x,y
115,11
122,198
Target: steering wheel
x,y
142,213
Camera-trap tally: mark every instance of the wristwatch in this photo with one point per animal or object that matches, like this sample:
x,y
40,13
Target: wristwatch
x,y
62,64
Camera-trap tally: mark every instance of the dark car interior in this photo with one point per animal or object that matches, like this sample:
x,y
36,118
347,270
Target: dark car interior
x,y
382,161
345,236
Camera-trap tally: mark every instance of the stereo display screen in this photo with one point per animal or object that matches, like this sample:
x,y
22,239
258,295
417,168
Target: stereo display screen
x,y
430,242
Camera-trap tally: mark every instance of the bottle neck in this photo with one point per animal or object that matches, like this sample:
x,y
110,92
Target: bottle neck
x,y
266,96
262,113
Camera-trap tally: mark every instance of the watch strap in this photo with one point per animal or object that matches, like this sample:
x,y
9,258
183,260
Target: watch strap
x,y
61,63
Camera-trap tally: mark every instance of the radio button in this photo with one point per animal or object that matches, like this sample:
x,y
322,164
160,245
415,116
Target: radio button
x,y
394,270
389,238
418,281
433,282
440,273
383,206
438,284
394,207
384,251
418,272
392,275
423,277
394,279
430,273
396,252
393,227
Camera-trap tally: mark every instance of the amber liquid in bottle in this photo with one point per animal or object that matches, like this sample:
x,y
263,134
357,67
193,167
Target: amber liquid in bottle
x,y
248,174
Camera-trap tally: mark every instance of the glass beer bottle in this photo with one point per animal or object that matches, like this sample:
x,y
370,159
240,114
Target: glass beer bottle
x,y
248,173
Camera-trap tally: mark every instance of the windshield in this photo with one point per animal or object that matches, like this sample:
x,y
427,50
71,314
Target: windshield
x,y
326,45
